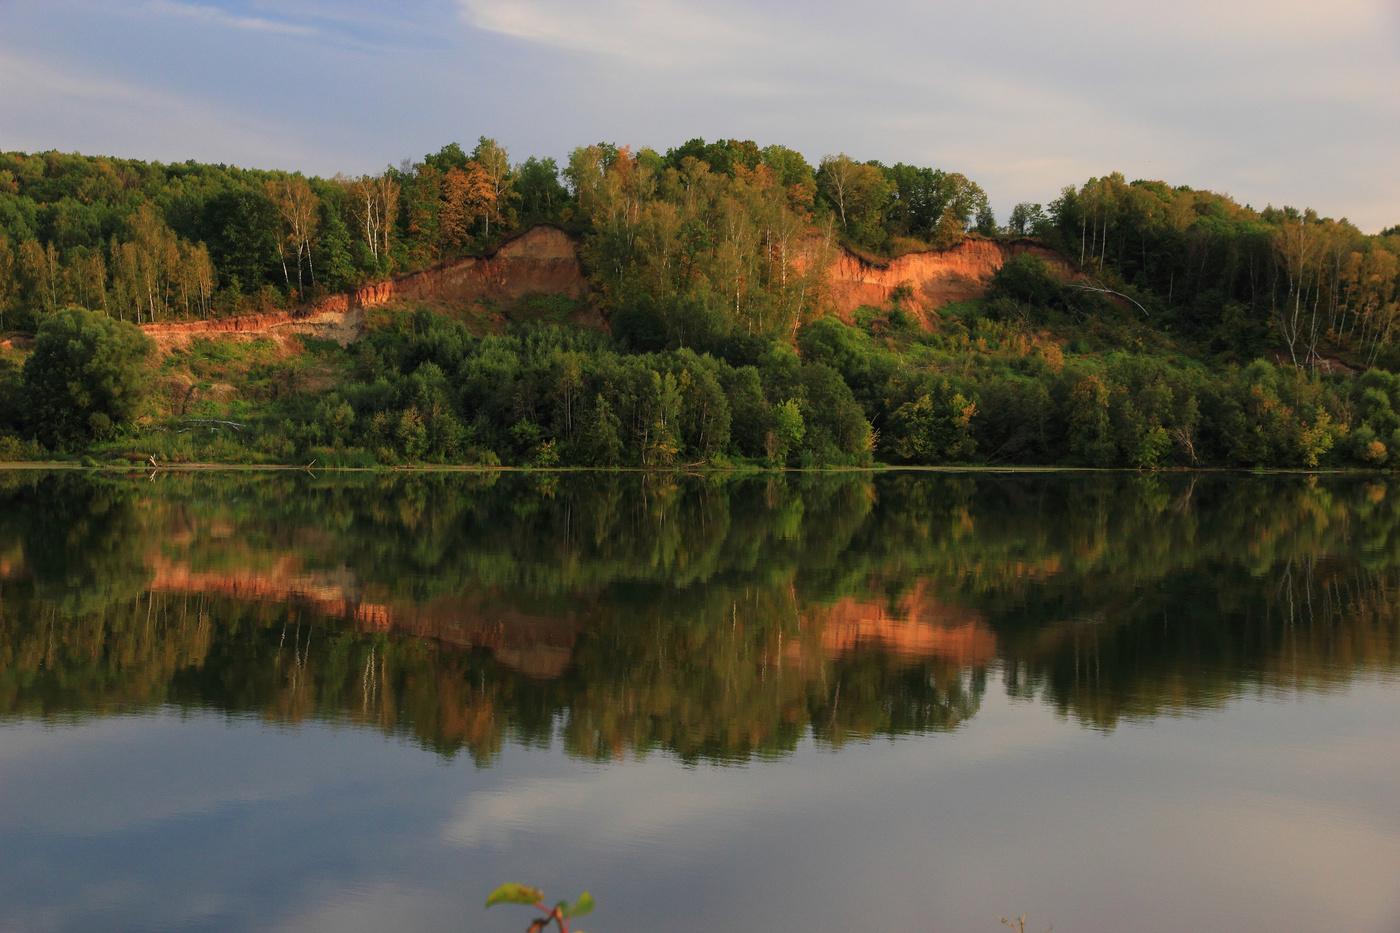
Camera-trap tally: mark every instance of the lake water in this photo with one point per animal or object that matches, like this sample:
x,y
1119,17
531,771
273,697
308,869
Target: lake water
x,y
909,701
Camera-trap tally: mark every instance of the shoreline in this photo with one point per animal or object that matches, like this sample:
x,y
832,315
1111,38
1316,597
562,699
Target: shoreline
x,y
146,469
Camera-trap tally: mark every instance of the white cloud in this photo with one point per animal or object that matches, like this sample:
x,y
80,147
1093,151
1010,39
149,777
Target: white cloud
x,y
373,908
658,800
1282,101
218,17
662,34
1268,100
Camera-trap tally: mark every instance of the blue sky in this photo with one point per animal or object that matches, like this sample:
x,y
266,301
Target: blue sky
x,y
1273,101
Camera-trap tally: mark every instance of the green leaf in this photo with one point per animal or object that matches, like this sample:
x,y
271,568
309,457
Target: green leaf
x,y
511,893
581,907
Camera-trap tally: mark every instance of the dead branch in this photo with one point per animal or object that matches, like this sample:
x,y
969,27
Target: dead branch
x,y
1102,289
232,424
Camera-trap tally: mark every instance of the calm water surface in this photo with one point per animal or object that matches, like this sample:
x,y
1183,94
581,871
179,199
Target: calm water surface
x,y
896,701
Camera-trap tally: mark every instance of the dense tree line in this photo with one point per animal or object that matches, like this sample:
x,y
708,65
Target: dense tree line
x,y
144,241
1198,332
987,388
1236,280
425,388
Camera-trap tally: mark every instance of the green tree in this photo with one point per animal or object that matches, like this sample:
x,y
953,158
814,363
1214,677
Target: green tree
x,y
8,283
86,377
10,394
500,182
240,226
936,427
919,200
723,156
1026,218
793,173
1090,437
541,193
968,208
857,193
788,430
986,221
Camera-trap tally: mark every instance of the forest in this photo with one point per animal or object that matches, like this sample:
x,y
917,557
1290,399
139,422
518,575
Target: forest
x,y
1193,330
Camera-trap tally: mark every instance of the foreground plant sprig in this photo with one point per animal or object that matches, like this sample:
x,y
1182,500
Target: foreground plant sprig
x,y
561,913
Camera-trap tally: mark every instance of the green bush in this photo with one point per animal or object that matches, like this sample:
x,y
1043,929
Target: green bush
x,y
15,450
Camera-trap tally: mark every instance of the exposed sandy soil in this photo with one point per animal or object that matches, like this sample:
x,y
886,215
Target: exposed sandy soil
x,y
937,277
544,260
342,326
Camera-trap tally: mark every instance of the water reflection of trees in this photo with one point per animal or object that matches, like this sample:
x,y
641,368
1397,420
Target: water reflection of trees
x,y
711,618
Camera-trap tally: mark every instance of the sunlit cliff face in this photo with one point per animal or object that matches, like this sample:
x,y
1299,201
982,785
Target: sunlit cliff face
x,y
936,277
540,261
544,261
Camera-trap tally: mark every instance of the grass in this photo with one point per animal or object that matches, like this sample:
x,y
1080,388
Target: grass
x,y
545,309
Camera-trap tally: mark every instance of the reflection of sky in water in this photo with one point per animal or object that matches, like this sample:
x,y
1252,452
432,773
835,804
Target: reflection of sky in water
x,y
1277,812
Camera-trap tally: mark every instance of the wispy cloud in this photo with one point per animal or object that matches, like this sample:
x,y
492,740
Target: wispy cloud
x,y
1283,101
217,17
668,34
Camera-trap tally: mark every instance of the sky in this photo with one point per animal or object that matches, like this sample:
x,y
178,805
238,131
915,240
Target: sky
x,y
1271,101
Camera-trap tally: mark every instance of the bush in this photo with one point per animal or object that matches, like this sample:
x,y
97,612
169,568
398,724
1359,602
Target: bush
x,y
14,450
1026,279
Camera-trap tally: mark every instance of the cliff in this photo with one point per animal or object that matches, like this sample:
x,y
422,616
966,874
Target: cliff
x,y
544,260
937,277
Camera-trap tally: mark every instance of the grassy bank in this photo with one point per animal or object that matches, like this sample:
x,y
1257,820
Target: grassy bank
x,y
422,389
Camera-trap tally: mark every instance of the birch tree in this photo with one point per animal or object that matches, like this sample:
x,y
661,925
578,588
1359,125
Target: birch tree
x,y
298,209
374,202
1295,249
495,164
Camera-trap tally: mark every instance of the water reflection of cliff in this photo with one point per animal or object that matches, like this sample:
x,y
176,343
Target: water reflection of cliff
x,y
541,645
538,645
716,619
